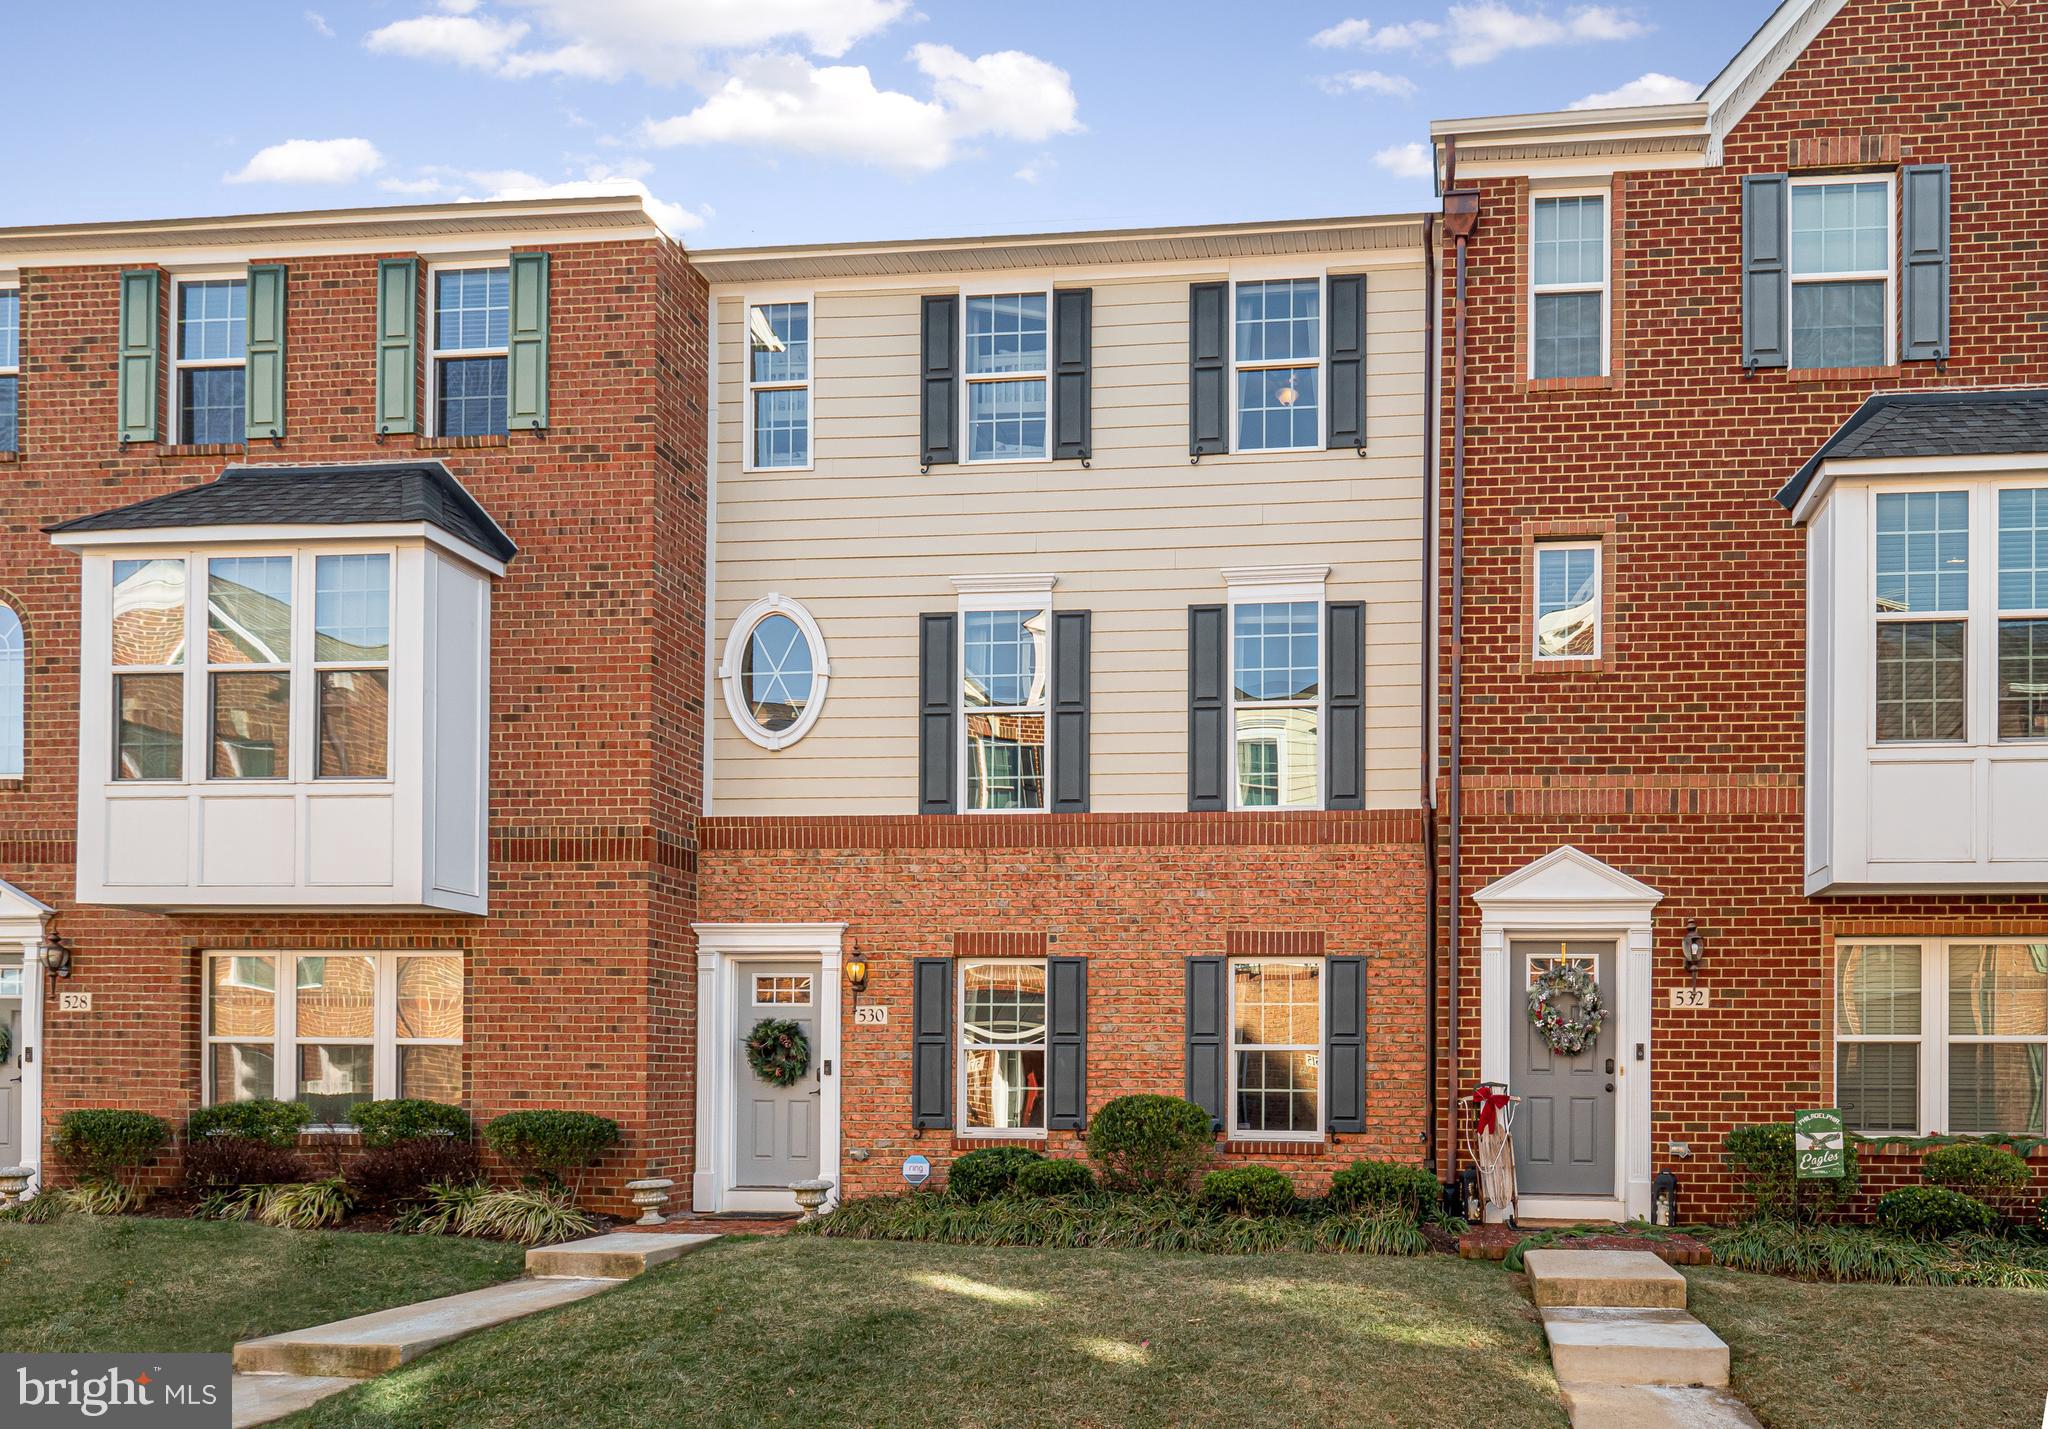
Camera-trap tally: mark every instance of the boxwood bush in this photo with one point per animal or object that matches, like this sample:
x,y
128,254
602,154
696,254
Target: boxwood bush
x,y
1989,1172
1934,1213
1151,1143
223,1163
1387,1185
1249,1191
409,1119
1052,1177
105,1144
1762,1159
545,1144
275,1123
989,1171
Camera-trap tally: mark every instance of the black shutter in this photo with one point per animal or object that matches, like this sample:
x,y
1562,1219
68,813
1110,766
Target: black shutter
x,y
1073,342
938,684
1066,1043
1206,1004
939,401
1344,706
1344,1043
1923,264
1766,325
931,1051
1208,368
1208,708
1071,654
1347,361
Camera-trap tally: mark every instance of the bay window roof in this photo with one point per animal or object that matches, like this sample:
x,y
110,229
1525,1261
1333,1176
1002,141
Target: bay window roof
x,y
376,494
1946,422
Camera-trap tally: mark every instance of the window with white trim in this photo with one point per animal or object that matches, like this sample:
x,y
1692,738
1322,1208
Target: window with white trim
x,y
149,668
1841,272
1008,378
775,672
336,1030
10,369
1922,556
1567,605
208,354
468,362
13,692
778,385
1277,364
2023,612
1942,1036
1276,689
1568,285
1005,680
1002,1048
1276,1048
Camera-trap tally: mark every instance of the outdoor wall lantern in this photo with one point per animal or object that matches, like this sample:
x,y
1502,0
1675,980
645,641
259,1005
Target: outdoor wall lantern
x,y
1695,949
1664,1200
857,972
55,953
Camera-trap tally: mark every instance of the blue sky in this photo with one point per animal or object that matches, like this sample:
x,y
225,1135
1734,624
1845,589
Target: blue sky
x,y
788,121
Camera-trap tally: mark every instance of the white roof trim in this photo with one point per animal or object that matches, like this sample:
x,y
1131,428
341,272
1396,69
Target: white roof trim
x,y
1761,63
1566,879
16,906
304,535
1874,467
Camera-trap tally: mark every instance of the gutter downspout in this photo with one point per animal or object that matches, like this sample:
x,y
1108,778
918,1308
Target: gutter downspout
x,y
1432,1147
1461,218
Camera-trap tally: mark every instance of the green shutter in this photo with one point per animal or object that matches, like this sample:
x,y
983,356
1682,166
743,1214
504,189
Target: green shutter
x,y
265,375
528,387
140,336
398,361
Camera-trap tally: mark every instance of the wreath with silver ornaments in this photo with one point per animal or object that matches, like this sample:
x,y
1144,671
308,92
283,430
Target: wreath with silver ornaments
x,y
778,1051
1568,1032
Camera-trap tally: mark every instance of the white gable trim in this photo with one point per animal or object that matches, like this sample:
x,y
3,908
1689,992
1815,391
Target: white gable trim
x,y
16,906
1567,878
1760,64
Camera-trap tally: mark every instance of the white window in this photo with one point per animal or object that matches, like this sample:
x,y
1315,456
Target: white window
x,y
1567,605
1276,1048
335,1030
1841,272
2023,612
775,672
10,369
1568,285
207,356
778,385
13,692
1005,689
782,990
1922,559
468,363
1002,1048
1007,345
1276,695
249,665
1277,362
149,668
1942,1036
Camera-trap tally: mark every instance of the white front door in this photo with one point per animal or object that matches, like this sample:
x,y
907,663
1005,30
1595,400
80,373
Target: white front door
x,y
775,1128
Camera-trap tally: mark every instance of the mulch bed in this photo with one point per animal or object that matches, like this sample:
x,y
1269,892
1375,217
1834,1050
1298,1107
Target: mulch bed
x,y
1494,1242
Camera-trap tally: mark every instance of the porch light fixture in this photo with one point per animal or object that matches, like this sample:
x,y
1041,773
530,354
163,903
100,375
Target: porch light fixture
x,y
857,972
1695,949
55,953
1664,1200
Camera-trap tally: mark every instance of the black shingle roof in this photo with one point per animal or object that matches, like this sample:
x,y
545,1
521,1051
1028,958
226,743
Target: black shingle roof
x,y
378,494
1949,422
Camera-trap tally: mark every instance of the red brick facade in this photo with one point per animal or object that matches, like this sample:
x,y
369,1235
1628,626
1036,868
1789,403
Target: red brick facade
x,y
1678,757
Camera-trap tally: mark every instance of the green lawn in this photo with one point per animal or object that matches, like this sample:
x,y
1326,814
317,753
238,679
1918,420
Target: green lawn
x,y
1808,1354
806,1331
118,1284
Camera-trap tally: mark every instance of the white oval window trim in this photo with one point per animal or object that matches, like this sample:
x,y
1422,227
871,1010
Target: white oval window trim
x,y
735,658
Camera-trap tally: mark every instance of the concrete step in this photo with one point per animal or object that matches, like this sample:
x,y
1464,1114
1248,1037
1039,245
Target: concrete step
x,y
1600,1345
618,1256
1632,1278
1654,1406
260,1398
371,1344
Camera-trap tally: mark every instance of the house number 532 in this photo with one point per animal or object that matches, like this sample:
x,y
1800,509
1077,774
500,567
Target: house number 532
x,y
1690,998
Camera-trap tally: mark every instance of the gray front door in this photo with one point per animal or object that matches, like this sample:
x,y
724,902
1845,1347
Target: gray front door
x,y
775,1128
11,1141
1564,1128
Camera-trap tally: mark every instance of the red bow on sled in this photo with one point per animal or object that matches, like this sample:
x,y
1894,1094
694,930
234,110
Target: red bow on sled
x,y
1490,1104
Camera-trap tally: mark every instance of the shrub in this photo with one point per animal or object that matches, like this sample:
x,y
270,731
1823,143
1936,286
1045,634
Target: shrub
x,y
400,1171
1933,1212
409,1119
1762,1159
224,1162
440,1208
100,1196
37,1210
1249,1190
1051,1177
526,1216
109,1145
544,1144
274,1122
1981,1169
293,1205
1387,1185
1151,1143
989,1171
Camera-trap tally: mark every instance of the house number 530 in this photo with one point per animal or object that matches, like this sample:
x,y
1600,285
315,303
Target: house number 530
x,y
871,1016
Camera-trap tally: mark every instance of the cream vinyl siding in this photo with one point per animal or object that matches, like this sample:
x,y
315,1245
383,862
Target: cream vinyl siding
x,y
867,544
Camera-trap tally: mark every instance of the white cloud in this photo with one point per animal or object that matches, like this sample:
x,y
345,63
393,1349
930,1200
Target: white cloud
x,y
1407,161
319,23
1368,81
783,102
1038,166
451,39
310,161
1652,88
418,188
1484,30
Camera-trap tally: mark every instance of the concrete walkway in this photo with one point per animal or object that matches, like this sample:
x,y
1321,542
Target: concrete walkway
x,y
1627,1354
281,1374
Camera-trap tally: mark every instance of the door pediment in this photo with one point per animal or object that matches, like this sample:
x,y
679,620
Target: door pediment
x,y
1567,880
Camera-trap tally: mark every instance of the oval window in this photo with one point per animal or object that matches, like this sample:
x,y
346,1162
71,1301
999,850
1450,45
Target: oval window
x,y
775,672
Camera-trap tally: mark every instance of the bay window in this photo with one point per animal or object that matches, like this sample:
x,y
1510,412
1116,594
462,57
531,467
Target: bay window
x,y
1002,1048
2023,613
148,644
1276,1045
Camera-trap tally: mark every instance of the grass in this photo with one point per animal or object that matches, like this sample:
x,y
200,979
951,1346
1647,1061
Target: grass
x,y
124,1284
1810,1354
811,1331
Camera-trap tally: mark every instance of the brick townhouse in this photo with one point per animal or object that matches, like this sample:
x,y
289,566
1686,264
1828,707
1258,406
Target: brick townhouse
x,y
350,590
1745,527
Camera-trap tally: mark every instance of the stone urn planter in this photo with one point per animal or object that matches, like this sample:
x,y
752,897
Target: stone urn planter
x,y
810,1196
13,1184
650,1195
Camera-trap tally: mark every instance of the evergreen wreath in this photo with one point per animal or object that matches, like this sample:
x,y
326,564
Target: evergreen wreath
x,y
1568,1035
6,1043
778,1051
